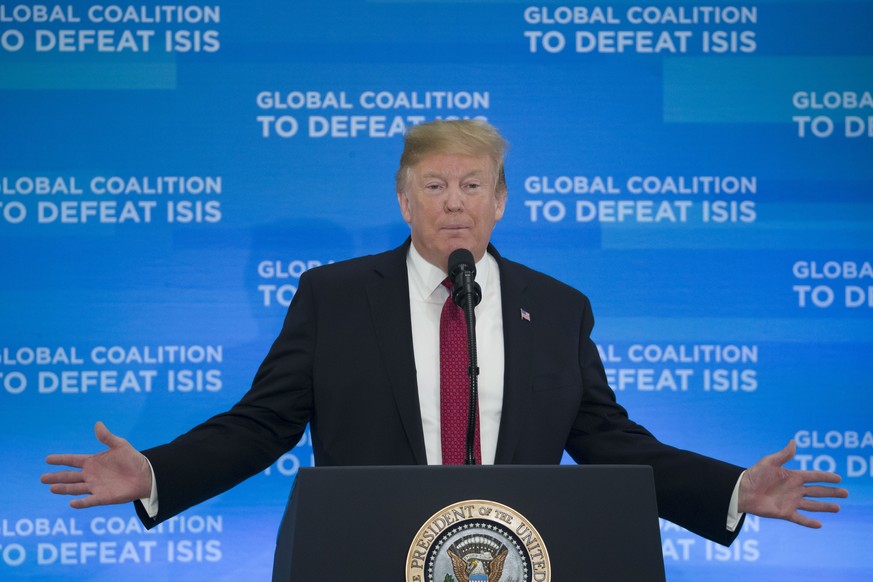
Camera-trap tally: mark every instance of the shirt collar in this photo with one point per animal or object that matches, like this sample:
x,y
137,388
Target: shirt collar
x,y
425,279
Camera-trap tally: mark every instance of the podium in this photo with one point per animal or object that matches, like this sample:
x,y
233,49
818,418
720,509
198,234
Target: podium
x,y
562,523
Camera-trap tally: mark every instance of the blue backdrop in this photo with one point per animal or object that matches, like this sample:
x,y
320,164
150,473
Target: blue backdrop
x,y
703,172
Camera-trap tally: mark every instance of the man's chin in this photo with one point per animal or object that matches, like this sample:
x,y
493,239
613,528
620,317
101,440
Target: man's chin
x,y
465,244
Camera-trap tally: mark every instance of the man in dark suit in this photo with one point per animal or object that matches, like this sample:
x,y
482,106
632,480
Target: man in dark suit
x,y
358,358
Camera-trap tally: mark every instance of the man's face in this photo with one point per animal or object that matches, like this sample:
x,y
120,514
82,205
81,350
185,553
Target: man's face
x,y
451,202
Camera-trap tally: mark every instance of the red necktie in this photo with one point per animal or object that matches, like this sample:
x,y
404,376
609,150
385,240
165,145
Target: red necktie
x,y
455,385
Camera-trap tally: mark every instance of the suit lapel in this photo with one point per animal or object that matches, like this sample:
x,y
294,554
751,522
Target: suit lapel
x,y
517,347
388,294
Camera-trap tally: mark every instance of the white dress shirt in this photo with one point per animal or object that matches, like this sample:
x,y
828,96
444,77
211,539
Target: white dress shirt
x,y
427,295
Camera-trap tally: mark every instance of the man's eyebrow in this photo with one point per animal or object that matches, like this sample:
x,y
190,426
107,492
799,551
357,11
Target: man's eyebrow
x,y
475,173
440,174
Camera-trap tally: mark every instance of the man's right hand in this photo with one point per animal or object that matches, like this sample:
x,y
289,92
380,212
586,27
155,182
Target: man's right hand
x,y
120,474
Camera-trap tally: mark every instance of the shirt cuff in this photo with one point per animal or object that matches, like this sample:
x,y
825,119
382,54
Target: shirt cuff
x,y
150,503
734,515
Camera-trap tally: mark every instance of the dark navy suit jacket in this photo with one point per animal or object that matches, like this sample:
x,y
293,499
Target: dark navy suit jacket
x,y
344,363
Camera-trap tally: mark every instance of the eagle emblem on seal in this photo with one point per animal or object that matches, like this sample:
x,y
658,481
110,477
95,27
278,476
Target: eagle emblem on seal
x,y
477,558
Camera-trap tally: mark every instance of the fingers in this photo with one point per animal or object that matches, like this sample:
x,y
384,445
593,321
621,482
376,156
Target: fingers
x,y
818,506
62,477
76,460
70,489
783,456
805,521
84,502
69,460
107,438
822,491
818,477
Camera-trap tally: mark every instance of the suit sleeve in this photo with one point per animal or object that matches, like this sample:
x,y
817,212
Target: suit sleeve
x,y
693,490
267,422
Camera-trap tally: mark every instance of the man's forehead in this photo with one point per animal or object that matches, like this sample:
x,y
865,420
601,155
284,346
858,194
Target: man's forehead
x,y
441,164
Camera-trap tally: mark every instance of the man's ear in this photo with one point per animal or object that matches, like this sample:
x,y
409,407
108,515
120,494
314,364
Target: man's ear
x,y
501,206
403,200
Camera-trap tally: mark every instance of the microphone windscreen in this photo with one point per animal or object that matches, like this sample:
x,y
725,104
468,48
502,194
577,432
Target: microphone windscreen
x,y
461,260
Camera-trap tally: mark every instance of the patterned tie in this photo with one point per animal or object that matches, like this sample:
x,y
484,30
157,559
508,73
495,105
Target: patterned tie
x,y
455,385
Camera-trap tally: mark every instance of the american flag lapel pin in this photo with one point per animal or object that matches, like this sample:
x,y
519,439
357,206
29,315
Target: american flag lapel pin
x,y
525,315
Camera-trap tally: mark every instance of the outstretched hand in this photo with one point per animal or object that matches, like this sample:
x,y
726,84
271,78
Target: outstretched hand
x,y
770,490
118,475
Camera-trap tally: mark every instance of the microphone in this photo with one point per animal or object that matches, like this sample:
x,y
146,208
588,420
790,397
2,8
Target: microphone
x,y
462,272
467,294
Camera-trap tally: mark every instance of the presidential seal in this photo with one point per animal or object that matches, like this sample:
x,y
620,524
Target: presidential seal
x,y
477,541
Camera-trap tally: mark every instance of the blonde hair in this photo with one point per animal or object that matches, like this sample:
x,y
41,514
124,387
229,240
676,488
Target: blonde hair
x,y
469,137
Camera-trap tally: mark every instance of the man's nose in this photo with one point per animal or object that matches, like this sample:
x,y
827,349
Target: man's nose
x,y
454,199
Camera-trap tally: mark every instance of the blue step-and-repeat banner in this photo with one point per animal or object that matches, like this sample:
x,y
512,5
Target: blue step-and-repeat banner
x,y
703,171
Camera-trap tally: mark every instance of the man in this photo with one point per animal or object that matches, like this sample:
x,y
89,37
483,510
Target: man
x,y
358,359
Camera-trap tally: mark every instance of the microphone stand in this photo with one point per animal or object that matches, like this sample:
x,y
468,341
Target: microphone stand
x,y
467,296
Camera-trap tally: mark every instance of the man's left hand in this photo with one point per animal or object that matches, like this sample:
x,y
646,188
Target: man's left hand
x,y
770,490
